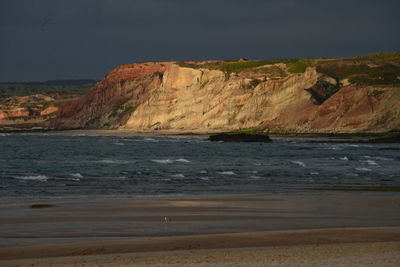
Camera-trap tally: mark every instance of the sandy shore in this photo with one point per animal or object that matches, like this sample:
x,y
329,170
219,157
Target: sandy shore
x,y
281,230
327,247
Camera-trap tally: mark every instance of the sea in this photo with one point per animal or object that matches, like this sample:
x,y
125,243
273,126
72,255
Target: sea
x,y
43,166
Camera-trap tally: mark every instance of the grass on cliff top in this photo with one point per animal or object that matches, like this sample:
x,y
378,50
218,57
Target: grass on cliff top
x,y
231,66
49,87
386,56
355,68
362,73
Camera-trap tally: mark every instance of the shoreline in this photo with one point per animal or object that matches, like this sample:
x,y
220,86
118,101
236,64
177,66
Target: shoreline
x,y
361,137
276,238
193,229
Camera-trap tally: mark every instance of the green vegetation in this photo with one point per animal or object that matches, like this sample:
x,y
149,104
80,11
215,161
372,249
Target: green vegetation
x,y
48,87
327,88
46,104
387,56
360,188
376,93
362,73
246,131
230,66
121,111
298,65
374,69
252,84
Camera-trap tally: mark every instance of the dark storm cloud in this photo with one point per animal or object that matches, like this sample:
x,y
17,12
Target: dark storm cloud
x,y
53,39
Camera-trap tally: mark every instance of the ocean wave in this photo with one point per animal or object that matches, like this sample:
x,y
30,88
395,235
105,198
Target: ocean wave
x,y
298,162
204,178
363,169
119,144
344,158
331,147
314,173
182,160
256,177
162,161
76,175
112,161
179,175
203,171
370,162
378,158
352,174
149,139
40,178
227,173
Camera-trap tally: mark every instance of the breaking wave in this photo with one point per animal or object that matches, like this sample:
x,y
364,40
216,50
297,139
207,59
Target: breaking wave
x,y
40,178
298,162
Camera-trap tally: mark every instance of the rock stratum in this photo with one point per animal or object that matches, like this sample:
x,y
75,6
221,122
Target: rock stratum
x,y
360,94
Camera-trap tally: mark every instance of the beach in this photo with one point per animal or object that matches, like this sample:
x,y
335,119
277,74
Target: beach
x,y
357,229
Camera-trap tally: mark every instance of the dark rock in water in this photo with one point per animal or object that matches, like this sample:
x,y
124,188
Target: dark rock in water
x,y
239,137
41,206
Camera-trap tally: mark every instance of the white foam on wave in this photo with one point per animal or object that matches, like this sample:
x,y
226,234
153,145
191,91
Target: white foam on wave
x,y
112,161
182,160
227,173
162,161
298,162
384,158
378,158
370,162
363,169
256,177
314,173
76,175
179,175
119,144
352,174
204,178
40,178
149,139
203,171
344,158
331,147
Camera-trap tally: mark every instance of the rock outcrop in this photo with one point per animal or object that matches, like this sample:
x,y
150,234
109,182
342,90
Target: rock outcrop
x,y
213,96
28,112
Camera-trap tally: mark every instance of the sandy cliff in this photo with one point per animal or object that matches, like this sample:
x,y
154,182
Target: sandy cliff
x,y
325,95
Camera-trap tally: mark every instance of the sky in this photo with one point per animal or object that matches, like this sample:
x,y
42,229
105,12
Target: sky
x,y
84,39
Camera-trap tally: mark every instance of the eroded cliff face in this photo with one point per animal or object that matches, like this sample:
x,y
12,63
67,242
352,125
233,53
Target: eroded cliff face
x,y
196,98
29,112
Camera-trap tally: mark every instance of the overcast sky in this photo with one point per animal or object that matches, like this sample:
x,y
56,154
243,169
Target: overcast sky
x,y
73,39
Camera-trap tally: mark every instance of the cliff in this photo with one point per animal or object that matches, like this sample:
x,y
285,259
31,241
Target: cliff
x,y
30,112
359,94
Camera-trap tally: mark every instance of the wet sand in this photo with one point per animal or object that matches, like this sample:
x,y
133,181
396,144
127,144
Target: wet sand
x,y
247,230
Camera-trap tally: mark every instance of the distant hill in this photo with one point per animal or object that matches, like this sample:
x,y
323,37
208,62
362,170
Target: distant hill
x,y
10,89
